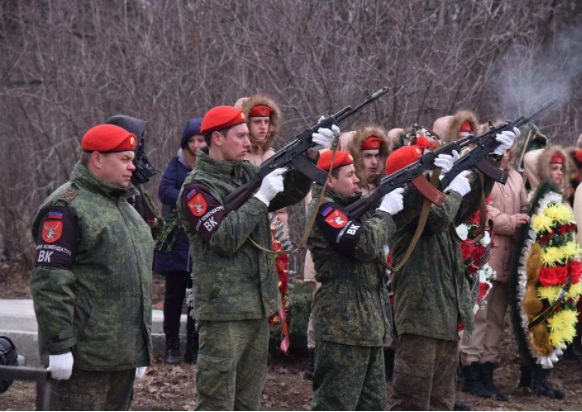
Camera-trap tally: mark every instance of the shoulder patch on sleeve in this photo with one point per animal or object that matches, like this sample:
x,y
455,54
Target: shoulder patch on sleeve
x,y
57,239
202,209
341,233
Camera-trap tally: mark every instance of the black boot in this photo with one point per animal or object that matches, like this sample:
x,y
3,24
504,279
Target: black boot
x,y
487,369
172,351
462,405
389,363
542,386
473,382
525,378
308,374
191,353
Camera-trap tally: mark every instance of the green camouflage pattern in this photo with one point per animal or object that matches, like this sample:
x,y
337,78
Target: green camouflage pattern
x,y
351,306
93,391
348,378
425,374
431,292
100,309
232,279
232,364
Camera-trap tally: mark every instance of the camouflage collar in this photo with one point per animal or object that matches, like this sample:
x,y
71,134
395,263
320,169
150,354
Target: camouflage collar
x,y
221,167
85,179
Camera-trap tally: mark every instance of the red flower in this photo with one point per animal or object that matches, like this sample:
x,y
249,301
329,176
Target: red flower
x,y
478,254
562,230
467,251
575,271
483,289
548,276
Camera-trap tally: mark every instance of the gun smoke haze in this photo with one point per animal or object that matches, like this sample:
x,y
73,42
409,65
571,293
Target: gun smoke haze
x,y
529,77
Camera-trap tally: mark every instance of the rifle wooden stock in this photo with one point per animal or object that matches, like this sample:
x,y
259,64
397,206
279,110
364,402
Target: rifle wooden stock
x,y
287,156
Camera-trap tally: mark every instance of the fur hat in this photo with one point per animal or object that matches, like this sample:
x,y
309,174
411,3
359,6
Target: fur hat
x,y
449,127
548,156
359,139
275,116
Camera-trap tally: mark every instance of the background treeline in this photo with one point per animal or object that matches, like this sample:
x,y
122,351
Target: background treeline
x,y
68,65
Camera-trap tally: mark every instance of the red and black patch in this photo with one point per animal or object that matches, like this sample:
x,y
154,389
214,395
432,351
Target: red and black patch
x,y
56,244
205,211
341,233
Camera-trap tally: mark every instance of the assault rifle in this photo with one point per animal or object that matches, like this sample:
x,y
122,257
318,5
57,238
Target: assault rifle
x,y
414,173
292,154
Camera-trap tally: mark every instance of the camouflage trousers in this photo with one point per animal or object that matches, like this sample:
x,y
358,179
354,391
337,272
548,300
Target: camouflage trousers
x,y
425,374
93,391
348,377
232,364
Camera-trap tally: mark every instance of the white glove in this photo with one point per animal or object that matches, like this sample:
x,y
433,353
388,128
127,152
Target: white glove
x,y
460,184
271,185
61,366
505,140
140,372
392,202
445,161
323,138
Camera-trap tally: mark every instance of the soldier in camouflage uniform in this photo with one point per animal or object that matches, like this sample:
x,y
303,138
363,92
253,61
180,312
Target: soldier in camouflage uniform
x,y
432,297
91,281
350,309
235,285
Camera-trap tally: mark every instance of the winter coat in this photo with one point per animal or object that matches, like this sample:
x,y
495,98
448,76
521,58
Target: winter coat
x,y
351,307
91,280
506,201
176,259
431,292
232,279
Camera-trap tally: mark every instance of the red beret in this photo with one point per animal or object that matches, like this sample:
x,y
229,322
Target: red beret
x,y
466,127
341,159
222,117
106,138
371,143
558,158
260,110
402,157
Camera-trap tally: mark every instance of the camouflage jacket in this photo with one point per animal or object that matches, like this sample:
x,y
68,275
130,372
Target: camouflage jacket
x,y
91,280
351,306
232,279
431,293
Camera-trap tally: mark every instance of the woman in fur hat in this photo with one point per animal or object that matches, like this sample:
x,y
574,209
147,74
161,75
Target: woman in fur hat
x,y
264,121
542,320
451,128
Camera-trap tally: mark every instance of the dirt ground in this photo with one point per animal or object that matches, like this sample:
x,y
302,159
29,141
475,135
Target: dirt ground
x,y
172,387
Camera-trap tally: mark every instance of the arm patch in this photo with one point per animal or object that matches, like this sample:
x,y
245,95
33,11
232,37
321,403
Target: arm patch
x,y
341,233
56,244
202,210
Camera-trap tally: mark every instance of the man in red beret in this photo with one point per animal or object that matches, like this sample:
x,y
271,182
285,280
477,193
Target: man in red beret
x,y
350,308
91,280
235,285
432,298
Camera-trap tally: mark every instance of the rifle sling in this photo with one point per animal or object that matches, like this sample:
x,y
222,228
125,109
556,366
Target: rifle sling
x,y
550,310
421,222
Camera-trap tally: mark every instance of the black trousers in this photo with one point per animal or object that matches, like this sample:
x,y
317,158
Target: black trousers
x,y
176,284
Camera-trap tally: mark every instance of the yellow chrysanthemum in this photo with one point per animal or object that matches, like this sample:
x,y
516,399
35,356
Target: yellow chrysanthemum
x,y
560,213
562,326
569,250
542,223
549,293
551,256
575,291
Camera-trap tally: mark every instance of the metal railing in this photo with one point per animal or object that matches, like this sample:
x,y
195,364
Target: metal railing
x,y
40,376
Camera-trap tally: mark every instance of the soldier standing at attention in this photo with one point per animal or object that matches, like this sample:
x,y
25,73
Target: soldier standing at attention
x,y
234,282
350,309
91,280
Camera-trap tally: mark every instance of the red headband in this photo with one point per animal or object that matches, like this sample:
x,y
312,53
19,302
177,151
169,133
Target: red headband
x,y
558,158
371,143
260,110
466,127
